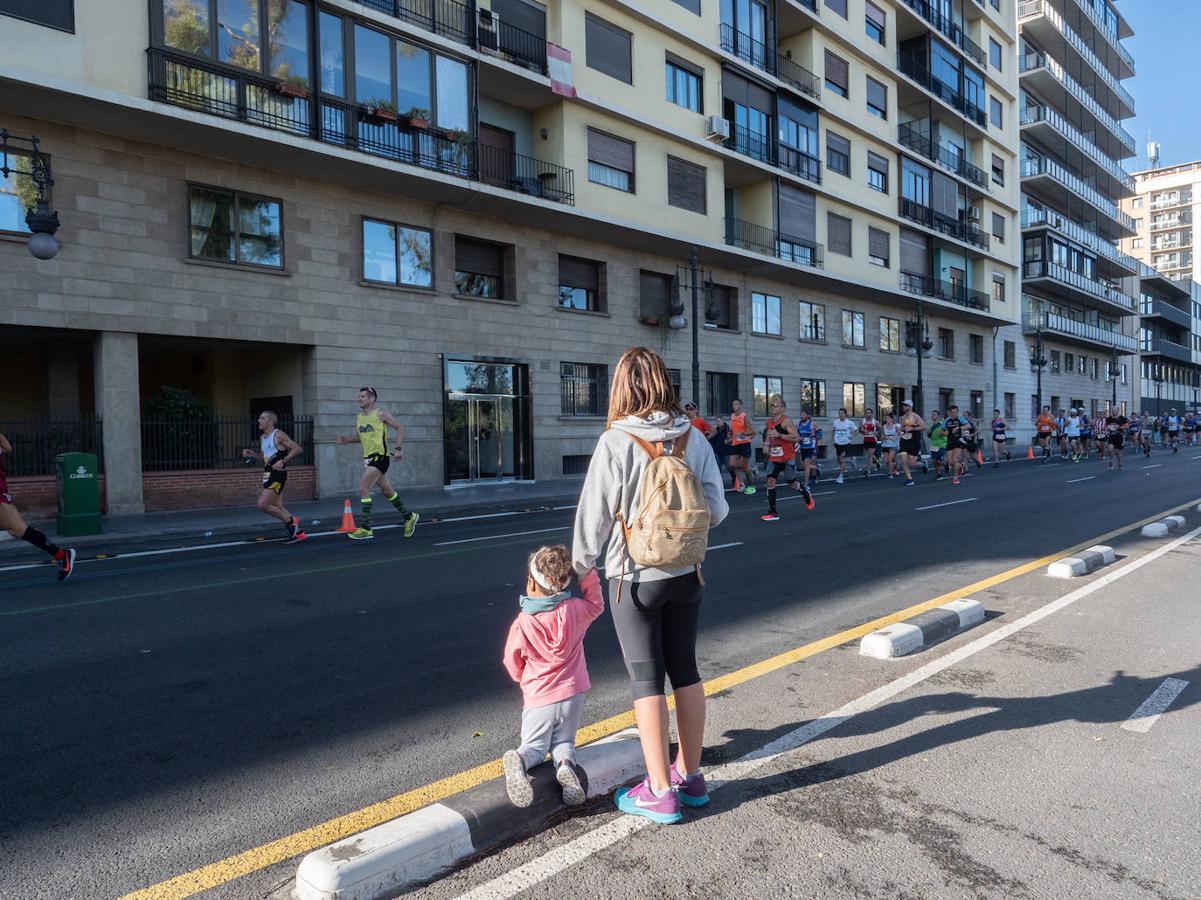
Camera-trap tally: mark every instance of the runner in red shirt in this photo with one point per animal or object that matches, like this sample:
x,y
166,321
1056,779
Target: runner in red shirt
x,y
870,429
780,439
11,521
698,421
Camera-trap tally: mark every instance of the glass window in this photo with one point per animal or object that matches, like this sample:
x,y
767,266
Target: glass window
x,y
413,79
397,254
234,228
379,251
722,390
946,343
976,348
877,98
838,154
765,313
890,335
998,169
765,387
290,44
874,21
683,86
186,26
994,54
854,397
584,389
18,194
1010,354
372,69
452,93
994,112
259,232
813,321
333,62
813,396
238,41
852,328
998,227
836,74
837,6
877,173
579,284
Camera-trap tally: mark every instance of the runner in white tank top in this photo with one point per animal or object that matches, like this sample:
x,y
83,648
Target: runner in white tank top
x,y
276,449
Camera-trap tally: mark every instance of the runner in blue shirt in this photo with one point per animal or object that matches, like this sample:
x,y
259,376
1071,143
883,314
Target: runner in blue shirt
x,y
999,435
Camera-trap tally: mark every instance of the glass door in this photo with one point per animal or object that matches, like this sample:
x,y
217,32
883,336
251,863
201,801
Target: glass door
x,y
481,438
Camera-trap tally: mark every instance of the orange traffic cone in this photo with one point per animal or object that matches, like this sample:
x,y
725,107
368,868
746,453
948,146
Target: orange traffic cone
x,y
347,525
979,458
1029,453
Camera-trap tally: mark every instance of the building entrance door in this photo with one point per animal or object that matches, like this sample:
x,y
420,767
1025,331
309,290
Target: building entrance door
x,y
486,433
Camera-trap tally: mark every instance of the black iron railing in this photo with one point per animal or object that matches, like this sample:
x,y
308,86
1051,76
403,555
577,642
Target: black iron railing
x,y
764,58
760,239
525,174
509,42
37,441
948,27
214,442
952,227
448,18
798,162
1042,268
950,291
922,142
915,69
765,149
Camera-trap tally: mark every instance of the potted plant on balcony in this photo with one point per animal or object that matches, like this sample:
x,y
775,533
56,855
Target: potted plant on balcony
x,y
296,86
381,110
419,118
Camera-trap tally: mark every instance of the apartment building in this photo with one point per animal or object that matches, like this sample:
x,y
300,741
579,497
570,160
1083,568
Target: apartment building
x,y
476,208
1166,202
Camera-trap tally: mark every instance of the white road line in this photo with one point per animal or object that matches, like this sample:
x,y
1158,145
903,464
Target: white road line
x,y
1155,466
1085,478
561,858
499,515
811,493
557,508
948,503
497,537
724,546
1197,457
1155,706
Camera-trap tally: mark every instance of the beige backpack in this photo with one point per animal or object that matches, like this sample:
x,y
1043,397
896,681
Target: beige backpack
x,y
672,526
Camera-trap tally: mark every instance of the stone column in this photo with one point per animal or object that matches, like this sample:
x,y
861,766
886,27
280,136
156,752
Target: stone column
x,y
119,405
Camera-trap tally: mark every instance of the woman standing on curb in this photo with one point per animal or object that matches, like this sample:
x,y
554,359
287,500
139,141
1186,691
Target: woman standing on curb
x,y
655,612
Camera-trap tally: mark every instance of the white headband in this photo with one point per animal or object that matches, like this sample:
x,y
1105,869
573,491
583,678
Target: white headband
x,y
540,579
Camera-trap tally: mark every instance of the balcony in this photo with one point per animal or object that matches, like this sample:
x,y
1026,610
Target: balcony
x,y
760,239
1042,166
915,70
1158,346
447,18
923,143
512,44
1110,34
924,215
1083,332
948,28
1037,217
950,291
1182,199
1041,63
1180,220
1077,284
762,148
765,59
1166,311
1034,115
234,94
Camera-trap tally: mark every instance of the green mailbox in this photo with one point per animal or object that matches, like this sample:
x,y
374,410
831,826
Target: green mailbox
x,y
78,494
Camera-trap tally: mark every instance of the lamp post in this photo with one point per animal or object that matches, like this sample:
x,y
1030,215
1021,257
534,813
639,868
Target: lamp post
x,y
677,322
1113,374
41,220
919,345
1157,377
1038,361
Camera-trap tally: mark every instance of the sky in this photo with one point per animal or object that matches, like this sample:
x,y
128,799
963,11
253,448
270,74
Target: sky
x,y
1167,80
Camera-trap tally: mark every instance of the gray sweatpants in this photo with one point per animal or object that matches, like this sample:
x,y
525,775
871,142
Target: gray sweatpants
x,y
551,727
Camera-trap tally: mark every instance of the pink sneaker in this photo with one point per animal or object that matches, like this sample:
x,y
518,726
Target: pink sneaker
x,y
692,790
640,800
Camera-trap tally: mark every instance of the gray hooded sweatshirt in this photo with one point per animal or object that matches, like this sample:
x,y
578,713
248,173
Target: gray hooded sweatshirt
x,y
612,484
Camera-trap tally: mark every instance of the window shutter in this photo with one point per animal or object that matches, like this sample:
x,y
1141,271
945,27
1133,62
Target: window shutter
x,y
523,15
998,225
610,151
578,273
877,163
945,195
838,6
607,48
838,234
915,253
837,143
685,185
479,258
798,213
877,243
877,94
654,293
739,90
836,70
875,15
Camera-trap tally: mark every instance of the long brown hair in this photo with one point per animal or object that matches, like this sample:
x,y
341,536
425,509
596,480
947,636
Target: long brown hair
x,y
641,386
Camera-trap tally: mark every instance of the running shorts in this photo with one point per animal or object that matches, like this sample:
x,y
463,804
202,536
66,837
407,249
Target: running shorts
x,y
869,442
842,450
938,453
787,469
379,461
1116,441
807,452
969,445
274,481
999,438
912,446
743,450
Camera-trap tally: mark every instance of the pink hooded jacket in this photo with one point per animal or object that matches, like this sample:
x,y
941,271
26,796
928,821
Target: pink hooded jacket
x,y
545,651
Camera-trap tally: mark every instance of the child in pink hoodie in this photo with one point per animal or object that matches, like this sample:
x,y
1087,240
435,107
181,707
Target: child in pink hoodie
x,y
545,655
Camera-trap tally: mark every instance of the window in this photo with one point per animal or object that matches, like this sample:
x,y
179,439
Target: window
x,y
583,389
723,391
1069,364
877,247
231,227
998,289
693,6
57,14
479,268
1136,203
975,346
888,400
838,234
877,98
683,86
877,172
332,55
994,54
994,112
837,6
765,387
673,378
874,21
686,185
998,227
813,397
397,254
1010,404
996,4
18,193
579,284
721,307
1009,354
852,328
998,170
946,343
610,161
837,74
1138,223
838,154
654,297
607,48
813,321
854,397
1136,244
1035,408
977,404
765,313
946,398
890,335
1055,367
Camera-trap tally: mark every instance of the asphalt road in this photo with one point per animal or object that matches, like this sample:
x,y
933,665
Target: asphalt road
x,y
163,712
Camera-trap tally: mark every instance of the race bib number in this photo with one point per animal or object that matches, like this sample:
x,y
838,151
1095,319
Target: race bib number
x,y
777,452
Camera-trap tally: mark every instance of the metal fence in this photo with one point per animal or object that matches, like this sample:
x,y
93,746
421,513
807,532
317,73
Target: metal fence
x,y
37,441
213,442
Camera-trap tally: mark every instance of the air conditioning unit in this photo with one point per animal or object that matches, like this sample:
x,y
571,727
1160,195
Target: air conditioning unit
x,y
489,29
973,214
717,128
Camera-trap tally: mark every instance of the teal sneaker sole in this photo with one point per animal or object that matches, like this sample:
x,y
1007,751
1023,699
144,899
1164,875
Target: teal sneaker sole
x,y
694,802
629,807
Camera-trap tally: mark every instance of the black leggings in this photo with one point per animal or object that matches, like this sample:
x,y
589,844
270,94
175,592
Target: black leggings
x,y
656,623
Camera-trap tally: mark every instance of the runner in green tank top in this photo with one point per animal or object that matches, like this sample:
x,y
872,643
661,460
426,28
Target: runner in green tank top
x,y
938,444
371,431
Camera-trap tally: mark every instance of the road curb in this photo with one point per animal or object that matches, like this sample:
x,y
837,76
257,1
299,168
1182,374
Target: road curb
x,y
922,630
1164,526
1083,563
416,847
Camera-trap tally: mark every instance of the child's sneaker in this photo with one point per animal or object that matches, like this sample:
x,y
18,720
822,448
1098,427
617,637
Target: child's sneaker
x,y
640,800
517,782
568,776
692,790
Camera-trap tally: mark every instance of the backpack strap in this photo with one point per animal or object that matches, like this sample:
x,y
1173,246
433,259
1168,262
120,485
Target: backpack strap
x,y
680,445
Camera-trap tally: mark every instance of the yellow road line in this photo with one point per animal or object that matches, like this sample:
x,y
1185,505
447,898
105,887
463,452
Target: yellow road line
x,y
232,867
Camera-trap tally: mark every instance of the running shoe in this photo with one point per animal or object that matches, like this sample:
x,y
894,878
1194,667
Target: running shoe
x,y
807,497
640,800
939,477
568,776
361,534
295,537
925,469
955,480
66,564
866,474
749,490
518,784
411,523
839,480
770,517
692,790
908,482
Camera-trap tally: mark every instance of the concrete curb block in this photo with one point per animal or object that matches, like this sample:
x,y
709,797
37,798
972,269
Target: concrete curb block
x,y
916,632
387,858
1164,526
1083,563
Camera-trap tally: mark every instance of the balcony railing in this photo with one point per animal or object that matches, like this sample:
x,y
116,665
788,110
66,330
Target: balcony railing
x,y
1032,217
1162,347
1098,334
921,142
1043,165
522,48
764,58
763,148
1111,34
760,239
950,291
232,94
1174,314
916,70
1178,221
948,28
1031,62
924,215
448,18
1041,268
1185,199
1033,9
1033,113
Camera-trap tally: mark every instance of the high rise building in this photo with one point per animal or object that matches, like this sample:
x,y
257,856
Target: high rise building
x,y
1166,203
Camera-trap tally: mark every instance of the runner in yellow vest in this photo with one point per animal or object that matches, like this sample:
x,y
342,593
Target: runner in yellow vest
x,y
371,430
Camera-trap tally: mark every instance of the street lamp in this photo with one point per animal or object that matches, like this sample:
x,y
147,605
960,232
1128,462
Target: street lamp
x,y
677,322
1038,361
1157,377
918,345
1113,374
42,221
